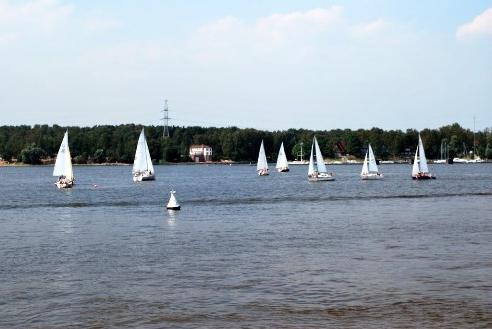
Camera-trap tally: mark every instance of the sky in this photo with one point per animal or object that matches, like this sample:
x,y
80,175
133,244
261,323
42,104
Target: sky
x,y
254,63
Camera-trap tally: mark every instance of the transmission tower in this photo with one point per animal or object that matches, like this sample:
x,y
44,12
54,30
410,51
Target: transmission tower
x,y
165,119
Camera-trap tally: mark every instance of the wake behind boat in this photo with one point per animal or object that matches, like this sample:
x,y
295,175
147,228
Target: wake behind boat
x,y
282,165
143,170
317,170
63,165
420,170
262,165
370,167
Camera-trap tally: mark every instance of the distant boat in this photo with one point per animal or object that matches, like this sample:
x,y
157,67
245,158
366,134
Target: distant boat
x,y
143,170
317,169
63,165
476,159
420,169
262,165
370,168
301,161
444,153
173,203
282,165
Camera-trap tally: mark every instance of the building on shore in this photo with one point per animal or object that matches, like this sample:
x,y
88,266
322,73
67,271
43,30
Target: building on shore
x,y
201,153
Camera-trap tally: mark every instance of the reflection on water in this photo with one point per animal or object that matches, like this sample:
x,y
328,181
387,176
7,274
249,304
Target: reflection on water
x,y
246,251
171,218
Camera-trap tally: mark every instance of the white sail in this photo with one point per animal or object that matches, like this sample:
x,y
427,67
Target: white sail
x,y
365,169
422,158
142,161
373,166
262,161
282,159
320,163
415,168
311,162
63,164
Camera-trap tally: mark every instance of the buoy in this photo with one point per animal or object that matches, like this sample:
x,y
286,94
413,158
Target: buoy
x,y
173,203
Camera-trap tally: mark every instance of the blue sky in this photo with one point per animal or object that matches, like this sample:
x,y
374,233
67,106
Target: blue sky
x,y
261,64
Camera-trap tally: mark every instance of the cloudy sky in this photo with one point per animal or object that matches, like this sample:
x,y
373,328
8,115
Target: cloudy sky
x,y
253,63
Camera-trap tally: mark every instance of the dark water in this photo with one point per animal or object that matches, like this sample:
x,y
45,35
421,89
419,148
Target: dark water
x,y
246,251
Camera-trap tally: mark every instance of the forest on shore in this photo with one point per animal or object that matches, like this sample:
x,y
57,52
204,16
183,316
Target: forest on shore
x,y
116,144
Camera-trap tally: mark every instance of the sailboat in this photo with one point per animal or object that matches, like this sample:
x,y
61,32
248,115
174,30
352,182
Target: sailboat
x,y
317,171
282,165
63,165
370,167
420,169
143,170
262,165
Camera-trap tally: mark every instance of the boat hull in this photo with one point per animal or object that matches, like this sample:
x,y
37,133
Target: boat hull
x,y
263,173
322,177
372,177
64,184
143,177
423,177
283,169
173,207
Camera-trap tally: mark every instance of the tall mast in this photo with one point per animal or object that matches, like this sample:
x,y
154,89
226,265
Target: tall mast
x,y
474,137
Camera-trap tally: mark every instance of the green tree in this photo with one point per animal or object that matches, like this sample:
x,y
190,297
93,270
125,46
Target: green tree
x,y
488,149
99,156
32,154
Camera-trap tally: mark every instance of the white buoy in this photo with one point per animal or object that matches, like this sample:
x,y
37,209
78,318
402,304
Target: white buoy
x,y
173,203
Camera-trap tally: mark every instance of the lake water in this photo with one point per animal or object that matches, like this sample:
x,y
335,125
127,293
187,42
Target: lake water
x,y
246,251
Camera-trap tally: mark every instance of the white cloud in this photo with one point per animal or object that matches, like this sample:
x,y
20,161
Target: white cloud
x,y
227,37
36,13
36,17
279,27
480,25
98,24
369,28
7,39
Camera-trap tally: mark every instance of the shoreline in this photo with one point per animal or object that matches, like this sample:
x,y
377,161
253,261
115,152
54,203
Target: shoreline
x,y
117,164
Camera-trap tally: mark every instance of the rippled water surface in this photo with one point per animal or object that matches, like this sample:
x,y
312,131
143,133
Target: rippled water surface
x,y
246,251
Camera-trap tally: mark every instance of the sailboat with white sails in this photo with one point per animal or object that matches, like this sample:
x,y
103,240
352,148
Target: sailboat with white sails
x,y
63,166
143,170
317,170
282,165
370,169
262,165
420,170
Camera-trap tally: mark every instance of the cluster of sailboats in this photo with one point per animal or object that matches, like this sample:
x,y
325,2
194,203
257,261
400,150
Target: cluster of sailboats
x,y
317,171
143,170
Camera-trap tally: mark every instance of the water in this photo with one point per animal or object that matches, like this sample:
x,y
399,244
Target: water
x,y
246,251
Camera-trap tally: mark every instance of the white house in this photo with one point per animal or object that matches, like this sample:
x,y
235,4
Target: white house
x,y
201,153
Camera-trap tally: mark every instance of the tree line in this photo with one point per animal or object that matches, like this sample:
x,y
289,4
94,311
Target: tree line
x,y
107,143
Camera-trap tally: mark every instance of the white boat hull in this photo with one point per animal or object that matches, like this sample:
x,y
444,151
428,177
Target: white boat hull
x,y
321,177
372,176
64,184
